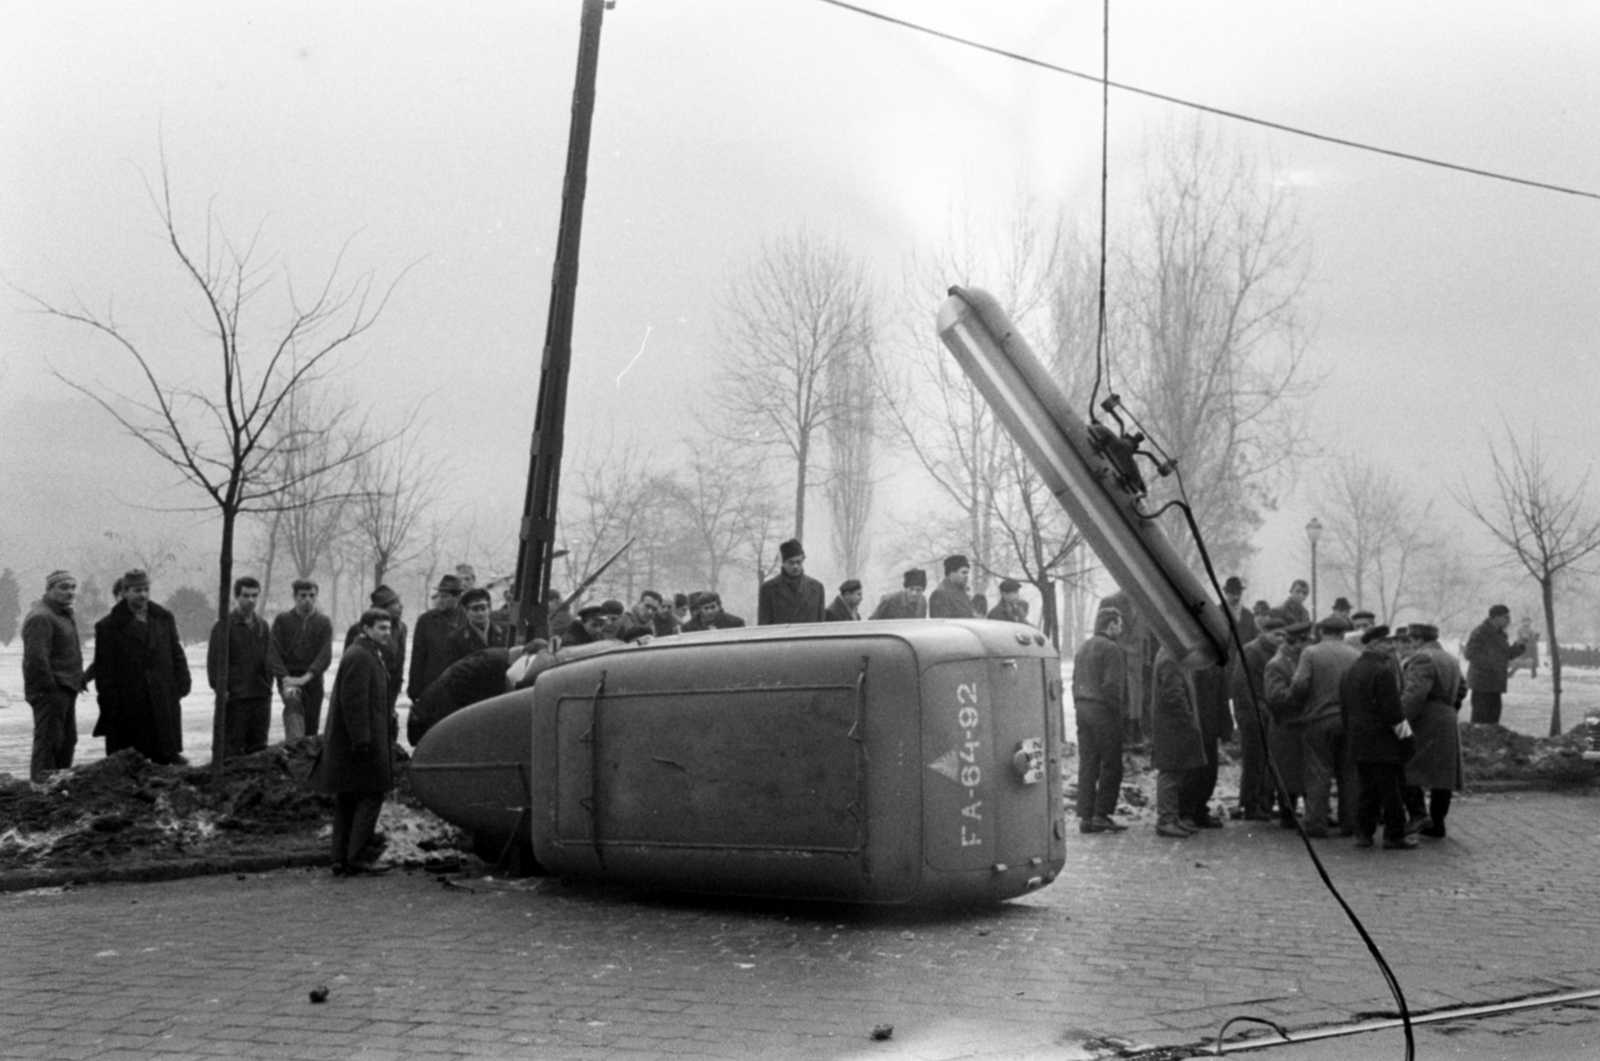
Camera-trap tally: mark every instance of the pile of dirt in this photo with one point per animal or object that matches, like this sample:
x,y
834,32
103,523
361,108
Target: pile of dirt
x,y
125,811
1497,754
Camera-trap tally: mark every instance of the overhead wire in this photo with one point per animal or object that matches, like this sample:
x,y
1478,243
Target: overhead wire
x,y
1220,112
1101,366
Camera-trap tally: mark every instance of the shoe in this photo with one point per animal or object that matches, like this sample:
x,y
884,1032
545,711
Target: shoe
x,y
1189,824
1365,840
1106,825
1086,826
341,869
1209,821
1173,830
365,869
1405,843
1433,831
1415,823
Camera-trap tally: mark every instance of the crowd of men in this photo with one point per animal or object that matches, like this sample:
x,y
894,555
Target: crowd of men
x,y
1342,704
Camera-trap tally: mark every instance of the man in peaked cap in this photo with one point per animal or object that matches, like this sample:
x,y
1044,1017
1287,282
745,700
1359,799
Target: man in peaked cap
x,y
791,596
1098,686
1011,607
1317,679
908,602
846,607
950,600
1431,691
1375,727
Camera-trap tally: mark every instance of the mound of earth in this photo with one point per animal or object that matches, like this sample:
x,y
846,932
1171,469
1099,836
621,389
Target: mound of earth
x,y
1495,753
126,812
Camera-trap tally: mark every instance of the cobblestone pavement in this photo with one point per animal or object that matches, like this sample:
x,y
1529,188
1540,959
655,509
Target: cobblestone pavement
x,y
1142,940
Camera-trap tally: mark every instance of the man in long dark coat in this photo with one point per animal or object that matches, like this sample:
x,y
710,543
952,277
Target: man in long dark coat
x,y
141,674
1489,654
1249,689
708,614
430,651
470,680
356,765
1011,608
1373,721
1285,736
791,596
474,635
1210,688
1430,696
393,650
1176,742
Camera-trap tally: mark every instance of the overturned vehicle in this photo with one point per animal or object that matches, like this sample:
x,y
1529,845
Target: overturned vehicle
x,y
888,762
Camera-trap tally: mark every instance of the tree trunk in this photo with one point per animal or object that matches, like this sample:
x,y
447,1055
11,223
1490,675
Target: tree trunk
x,y
224,599
801,459
1547,590
1049,610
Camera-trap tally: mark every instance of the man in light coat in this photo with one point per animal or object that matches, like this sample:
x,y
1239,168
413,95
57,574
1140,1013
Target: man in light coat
x,y
1430,696
1317,679
52,675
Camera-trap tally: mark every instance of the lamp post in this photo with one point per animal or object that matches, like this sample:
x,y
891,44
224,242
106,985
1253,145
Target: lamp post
x,y
1313,532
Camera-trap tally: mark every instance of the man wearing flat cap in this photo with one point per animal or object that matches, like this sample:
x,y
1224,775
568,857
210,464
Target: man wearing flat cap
x,y
791,596
1376,728
1098,685
477,633
846,607
1317,679
430,641
1489,654
949,600
141,675
1287,709
907,602
392,651
52,674
588,628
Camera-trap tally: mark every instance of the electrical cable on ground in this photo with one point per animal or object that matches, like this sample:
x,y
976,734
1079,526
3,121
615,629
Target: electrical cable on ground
x,y
1218,111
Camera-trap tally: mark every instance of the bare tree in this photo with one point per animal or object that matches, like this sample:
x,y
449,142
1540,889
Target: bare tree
x,y
722,497
994,506
791,317
1209,293
605,501
852,438
1544,525
220,438
1377,533
396,485
321,431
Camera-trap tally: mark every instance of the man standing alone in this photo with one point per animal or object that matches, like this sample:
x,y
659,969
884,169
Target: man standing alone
x,y
1097,686
252,663
1489,655
141,675
303,638
356,765
791,596
52,674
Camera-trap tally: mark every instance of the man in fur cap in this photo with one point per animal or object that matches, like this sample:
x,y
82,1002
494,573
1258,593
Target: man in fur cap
x,y
791,596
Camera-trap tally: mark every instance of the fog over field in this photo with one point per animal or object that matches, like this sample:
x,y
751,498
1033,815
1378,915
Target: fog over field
x,y
1437,311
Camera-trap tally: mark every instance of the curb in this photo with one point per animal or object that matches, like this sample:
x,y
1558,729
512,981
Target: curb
x,y
146,872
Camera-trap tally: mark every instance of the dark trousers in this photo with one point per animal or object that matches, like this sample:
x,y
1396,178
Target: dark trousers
x,y
1326,765
1194,798
1436,805
245,724
1255,780
1099,760
1486,708
55,732
355,822
1382,796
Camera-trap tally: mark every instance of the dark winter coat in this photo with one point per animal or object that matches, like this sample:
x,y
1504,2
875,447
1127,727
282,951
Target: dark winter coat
x,y
841,612
1009,612
1176,739
791,600
1285,708
899,605
949,601
430,648
141,677
52,659
466,641
357,751
1247,682
1430,694
393,654
723,621
252,658
1211,702
1370,695
1489,654
468,681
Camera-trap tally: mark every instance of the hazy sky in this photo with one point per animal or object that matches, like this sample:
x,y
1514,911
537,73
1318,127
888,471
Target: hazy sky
x,y
436,133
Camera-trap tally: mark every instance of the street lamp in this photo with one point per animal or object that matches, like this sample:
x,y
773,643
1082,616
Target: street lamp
x,y
1313,532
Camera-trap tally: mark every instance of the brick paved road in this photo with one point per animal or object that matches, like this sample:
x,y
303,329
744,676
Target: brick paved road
x,y
1149,940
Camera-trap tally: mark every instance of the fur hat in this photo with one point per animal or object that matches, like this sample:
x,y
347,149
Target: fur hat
x,y
792,549
54,577
916,577
133,578
1498,610
955,562
1424,632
